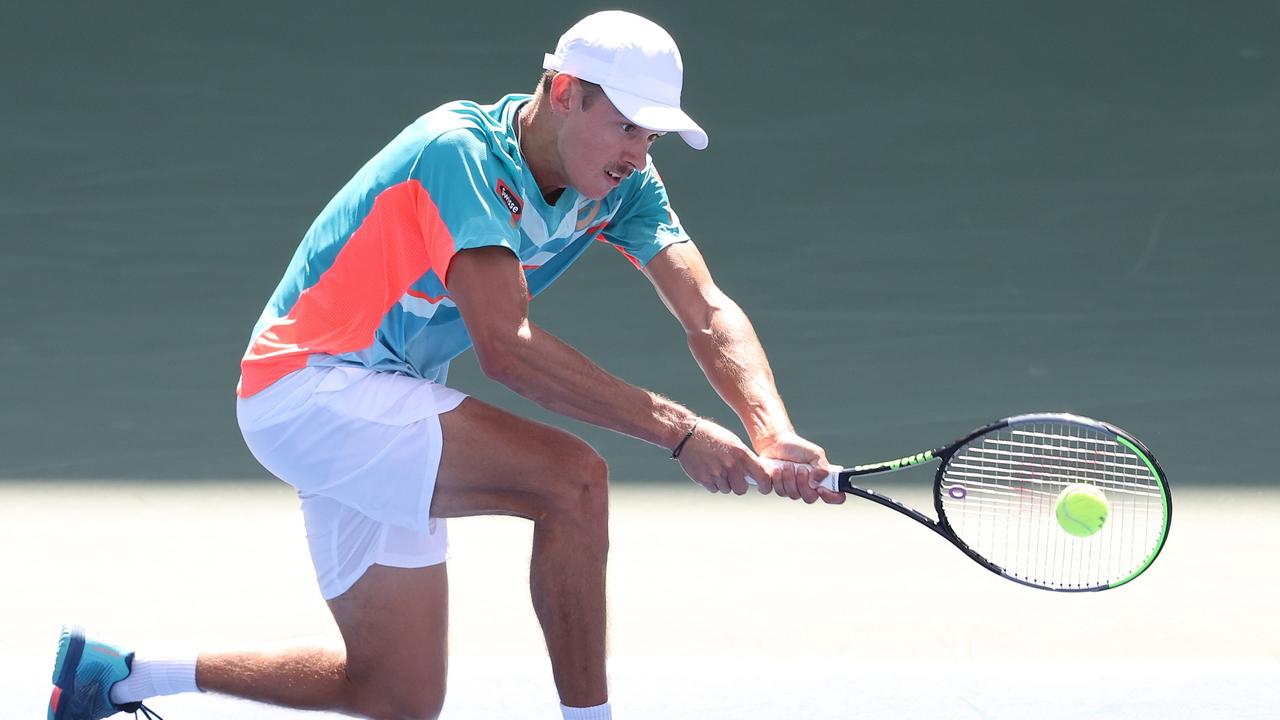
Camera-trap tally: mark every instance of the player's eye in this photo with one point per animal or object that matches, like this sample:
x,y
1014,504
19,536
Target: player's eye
x,y
628,128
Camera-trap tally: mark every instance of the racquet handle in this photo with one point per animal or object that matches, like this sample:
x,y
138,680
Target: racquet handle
x,y
829,482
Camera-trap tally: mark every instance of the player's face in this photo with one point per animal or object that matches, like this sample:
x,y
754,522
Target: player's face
x,y
600,147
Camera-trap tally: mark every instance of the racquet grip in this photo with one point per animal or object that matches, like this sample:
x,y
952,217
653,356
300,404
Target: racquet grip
x,y
829,482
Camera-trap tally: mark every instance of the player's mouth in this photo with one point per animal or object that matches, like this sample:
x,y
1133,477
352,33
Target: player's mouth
x,y
615,177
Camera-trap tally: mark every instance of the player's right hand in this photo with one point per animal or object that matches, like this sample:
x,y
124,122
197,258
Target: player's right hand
x,y
717,460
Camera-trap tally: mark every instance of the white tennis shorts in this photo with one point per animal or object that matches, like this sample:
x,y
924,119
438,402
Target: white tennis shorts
x,y
362,448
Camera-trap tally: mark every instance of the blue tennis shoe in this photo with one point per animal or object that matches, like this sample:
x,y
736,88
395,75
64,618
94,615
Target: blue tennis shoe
x,y
82,678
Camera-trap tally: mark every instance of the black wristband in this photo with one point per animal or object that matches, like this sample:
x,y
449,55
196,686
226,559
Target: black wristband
x,y
676,453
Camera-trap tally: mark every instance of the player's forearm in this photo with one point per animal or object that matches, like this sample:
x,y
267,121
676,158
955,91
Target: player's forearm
x,y
730,354
553,374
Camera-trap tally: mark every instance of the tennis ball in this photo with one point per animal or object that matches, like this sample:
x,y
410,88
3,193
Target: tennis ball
x,y
1082,509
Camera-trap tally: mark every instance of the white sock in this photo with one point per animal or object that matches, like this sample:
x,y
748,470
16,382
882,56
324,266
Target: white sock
x,y
151,678
599,712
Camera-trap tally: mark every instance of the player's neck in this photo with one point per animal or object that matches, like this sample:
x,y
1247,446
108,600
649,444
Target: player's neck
x,y
535,130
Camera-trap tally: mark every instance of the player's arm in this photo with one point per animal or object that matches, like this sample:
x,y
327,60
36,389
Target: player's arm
x,y
488,286
725,345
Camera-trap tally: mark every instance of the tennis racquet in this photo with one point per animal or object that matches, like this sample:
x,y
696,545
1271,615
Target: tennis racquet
x,y
996,493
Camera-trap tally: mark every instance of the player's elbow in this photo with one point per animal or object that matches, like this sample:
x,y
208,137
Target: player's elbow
x,y
500,370
711,308
499,358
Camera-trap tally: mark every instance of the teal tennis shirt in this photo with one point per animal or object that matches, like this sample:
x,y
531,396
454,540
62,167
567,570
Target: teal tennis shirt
x,y
366,286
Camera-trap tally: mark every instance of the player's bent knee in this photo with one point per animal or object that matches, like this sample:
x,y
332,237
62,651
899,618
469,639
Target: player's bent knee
x,y
395,686
405,702
582,483
424,708
592,471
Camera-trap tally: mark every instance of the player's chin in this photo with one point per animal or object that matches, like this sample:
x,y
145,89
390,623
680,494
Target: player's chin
x,y
595,188
594,191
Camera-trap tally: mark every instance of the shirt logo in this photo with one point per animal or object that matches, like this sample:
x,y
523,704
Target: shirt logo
x,y
509,198
587,214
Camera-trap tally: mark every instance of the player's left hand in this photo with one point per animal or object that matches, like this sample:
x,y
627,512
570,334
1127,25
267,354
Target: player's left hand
x,y
798,468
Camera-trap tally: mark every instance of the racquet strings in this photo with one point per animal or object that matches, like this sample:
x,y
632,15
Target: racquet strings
x,y
999,492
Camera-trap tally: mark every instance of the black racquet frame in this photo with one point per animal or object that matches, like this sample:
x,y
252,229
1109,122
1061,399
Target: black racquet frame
x,y
843,482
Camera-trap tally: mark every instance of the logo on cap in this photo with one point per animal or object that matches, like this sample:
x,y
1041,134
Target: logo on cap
x,y
510,199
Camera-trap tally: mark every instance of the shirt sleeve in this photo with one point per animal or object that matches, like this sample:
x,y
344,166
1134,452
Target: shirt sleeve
x,y
645,224
468,194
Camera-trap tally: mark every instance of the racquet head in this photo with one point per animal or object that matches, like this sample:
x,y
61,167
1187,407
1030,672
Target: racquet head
x,y
997,493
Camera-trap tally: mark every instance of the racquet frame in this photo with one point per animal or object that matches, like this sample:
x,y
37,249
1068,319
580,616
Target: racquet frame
x,y
841,479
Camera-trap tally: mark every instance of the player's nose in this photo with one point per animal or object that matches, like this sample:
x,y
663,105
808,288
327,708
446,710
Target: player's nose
x,y
636,155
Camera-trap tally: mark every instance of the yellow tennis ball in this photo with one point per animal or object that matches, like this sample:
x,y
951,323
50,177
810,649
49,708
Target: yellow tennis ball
x,y
1082,509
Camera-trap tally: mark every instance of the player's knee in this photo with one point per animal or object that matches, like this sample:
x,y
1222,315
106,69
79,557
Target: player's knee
x,y
423,706
407,703
586,482
581,485
380,695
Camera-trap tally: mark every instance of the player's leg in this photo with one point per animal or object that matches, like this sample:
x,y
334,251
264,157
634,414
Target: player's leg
x,y
501,464
394,624
394,620
498,463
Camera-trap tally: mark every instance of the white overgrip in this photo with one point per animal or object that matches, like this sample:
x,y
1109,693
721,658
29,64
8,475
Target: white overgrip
x,y
830,482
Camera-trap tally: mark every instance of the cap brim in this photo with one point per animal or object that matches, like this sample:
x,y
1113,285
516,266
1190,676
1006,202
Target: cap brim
x,y
653,116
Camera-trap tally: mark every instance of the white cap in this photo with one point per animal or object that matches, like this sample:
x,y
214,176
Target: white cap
x,y
638,65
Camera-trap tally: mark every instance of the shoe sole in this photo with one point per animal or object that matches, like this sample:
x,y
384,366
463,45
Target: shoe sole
x,y
70,650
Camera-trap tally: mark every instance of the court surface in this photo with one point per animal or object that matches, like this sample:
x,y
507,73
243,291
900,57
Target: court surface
x,y
720,607
936,215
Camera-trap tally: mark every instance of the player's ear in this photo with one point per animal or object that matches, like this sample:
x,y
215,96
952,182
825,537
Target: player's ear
x,y
564,93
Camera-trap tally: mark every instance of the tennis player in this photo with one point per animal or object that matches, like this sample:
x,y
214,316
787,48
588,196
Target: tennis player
x,y
438,244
